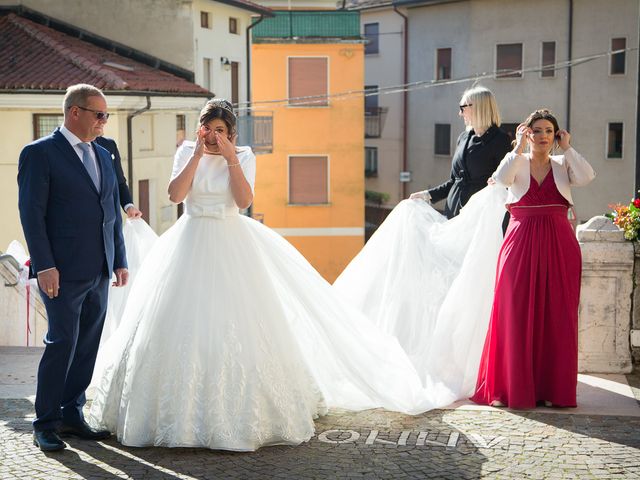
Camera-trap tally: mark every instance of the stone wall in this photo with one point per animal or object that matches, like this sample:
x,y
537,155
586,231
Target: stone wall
x,y
606,298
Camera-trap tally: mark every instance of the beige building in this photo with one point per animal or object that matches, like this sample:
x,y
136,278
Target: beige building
x,y
157,104
206,39
596,99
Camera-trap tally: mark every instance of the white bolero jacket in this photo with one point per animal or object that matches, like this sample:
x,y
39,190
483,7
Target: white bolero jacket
x,y
570,169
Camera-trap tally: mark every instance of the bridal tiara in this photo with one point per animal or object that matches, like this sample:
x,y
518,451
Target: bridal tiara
x,y
223,104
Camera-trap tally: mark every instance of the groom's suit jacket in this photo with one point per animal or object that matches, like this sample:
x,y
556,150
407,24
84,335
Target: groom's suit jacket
x,y
67,223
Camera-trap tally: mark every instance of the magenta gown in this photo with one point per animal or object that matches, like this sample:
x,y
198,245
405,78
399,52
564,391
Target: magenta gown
x,y
531,350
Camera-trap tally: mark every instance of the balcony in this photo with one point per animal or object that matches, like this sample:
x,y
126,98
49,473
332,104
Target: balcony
x,y
256,131
374,121
309,24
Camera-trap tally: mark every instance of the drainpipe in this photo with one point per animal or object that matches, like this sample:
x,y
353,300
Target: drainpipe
x,y
248,42
248,103
130,142
405,108
569,54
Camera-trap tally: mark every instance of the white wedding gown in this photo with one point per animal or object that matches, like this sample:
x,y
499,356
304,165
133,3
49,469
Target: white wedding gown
x,y
231,340
138,238
429,282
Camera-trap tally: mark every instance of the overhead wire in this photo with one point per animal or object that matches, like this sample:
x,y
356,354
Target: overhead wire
x,y
265,105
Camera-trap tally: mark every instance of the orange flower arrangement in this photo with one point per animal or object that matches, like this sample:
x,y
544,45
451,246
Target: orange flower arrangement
x,y
627,218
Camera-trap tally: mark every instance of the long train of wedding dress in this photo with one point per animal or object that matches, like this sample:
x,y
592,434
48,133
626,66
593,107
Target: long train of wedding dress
x,y
231,340
429,282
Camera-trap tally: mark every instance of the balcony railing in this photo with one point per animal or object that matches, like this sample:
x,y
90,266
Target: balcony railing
x,y
374,121
315,24
256,131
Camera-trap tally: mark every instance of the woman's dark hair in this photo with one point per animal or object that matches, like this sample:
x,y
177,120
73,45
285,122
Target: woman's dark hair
x,y
542,114
222,109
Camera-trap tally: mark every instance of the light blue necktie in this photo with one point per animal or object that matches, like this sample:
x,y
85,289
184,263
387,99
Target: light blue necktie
x,y
89,164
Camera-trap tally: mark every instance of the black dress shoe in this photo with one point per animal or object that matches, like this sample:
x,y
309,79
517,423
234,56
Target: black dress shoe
x,y
48,440
82,430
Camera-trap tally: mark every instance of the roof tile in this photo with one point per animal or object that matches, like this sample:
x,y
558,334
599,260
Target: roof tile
x,y
36,57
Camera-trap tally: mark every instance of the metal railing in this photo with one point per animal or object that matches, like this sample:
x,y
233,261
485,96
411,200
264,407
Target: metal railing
x,y
314,24
257,132
4,258
374,121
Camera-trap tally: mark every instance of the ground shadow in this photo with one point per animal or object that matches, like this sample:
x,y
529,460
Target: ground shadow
x,y
368,444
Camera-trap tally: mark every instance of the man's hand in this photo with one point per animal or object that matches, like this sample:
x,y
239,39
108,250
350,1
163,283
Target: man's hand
x,y
122,277
133,212
49,282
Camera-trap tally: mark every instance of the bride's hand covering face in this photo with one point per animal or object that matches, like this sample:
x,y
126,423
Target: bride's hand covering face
x,y
213,130
226,147
200,141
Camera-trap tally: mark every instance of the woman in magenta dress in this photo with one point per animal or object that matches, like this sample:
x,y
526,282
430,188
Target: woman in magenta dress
x,y
530,353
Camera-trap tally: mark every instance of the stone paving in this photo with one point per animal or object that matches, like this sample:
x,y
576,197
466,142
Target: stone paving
x,y
442,444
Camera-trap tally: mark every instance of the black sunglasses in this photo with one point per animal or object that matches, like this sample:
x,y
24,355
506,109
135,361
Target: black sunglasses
x,y
99,115
462,107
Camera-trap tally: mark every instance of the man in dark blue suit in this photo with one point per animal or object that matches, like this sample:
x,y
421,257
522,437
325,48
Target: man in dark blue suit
x,y
70,214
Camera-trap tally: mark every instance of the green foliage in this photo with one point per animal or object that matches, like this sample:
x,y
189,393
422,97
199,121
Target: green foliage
x,y
376,197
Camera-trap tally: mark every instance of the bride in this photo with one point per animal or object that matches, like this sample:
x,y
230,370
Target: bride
x,y
229,338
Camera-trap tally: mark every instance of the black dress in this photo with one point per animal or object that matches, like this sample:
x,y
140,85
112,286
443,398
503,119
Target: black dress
x,y
474,160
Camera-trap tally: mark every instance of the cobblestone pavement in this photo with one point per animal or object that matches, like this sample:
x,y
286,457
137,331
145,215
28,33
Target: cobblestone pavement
x,y
442,444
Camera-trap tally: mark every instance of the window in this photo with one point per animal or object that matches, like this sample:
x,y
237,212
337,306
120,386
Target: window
x,y
509,57
443,63
371,100
619,59
308,180
204,20
233,25
443,139
371,33
614,140
308,78
370,161
181,129
548,59
45,124
206,73
509,129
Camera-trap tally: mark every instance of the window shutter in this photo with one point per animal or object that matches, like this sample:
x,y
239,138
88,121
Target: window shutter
x,y
308,77
509,57
308,179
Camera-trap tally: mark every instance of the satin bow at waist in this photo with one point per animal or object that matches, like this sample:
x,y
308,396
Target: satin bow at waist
x,y
219,211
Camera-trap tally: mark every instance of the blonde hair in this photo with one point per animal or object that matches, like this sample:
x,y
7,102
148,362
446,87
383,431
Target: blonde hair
x,y
485,111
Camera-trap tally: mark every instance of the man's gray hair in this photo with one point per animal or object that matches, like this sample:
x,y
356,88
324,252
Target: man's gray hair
x,y
78,95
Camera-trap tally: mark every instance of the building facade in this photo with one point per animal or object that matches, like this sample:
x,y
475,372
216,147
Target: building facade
x,y
383,28
205,38
41,62
310,189
518,50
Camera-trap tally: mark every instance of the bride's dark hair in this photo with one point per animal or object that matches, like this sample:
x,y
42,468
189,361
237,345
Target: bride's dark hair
x,y
222,109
